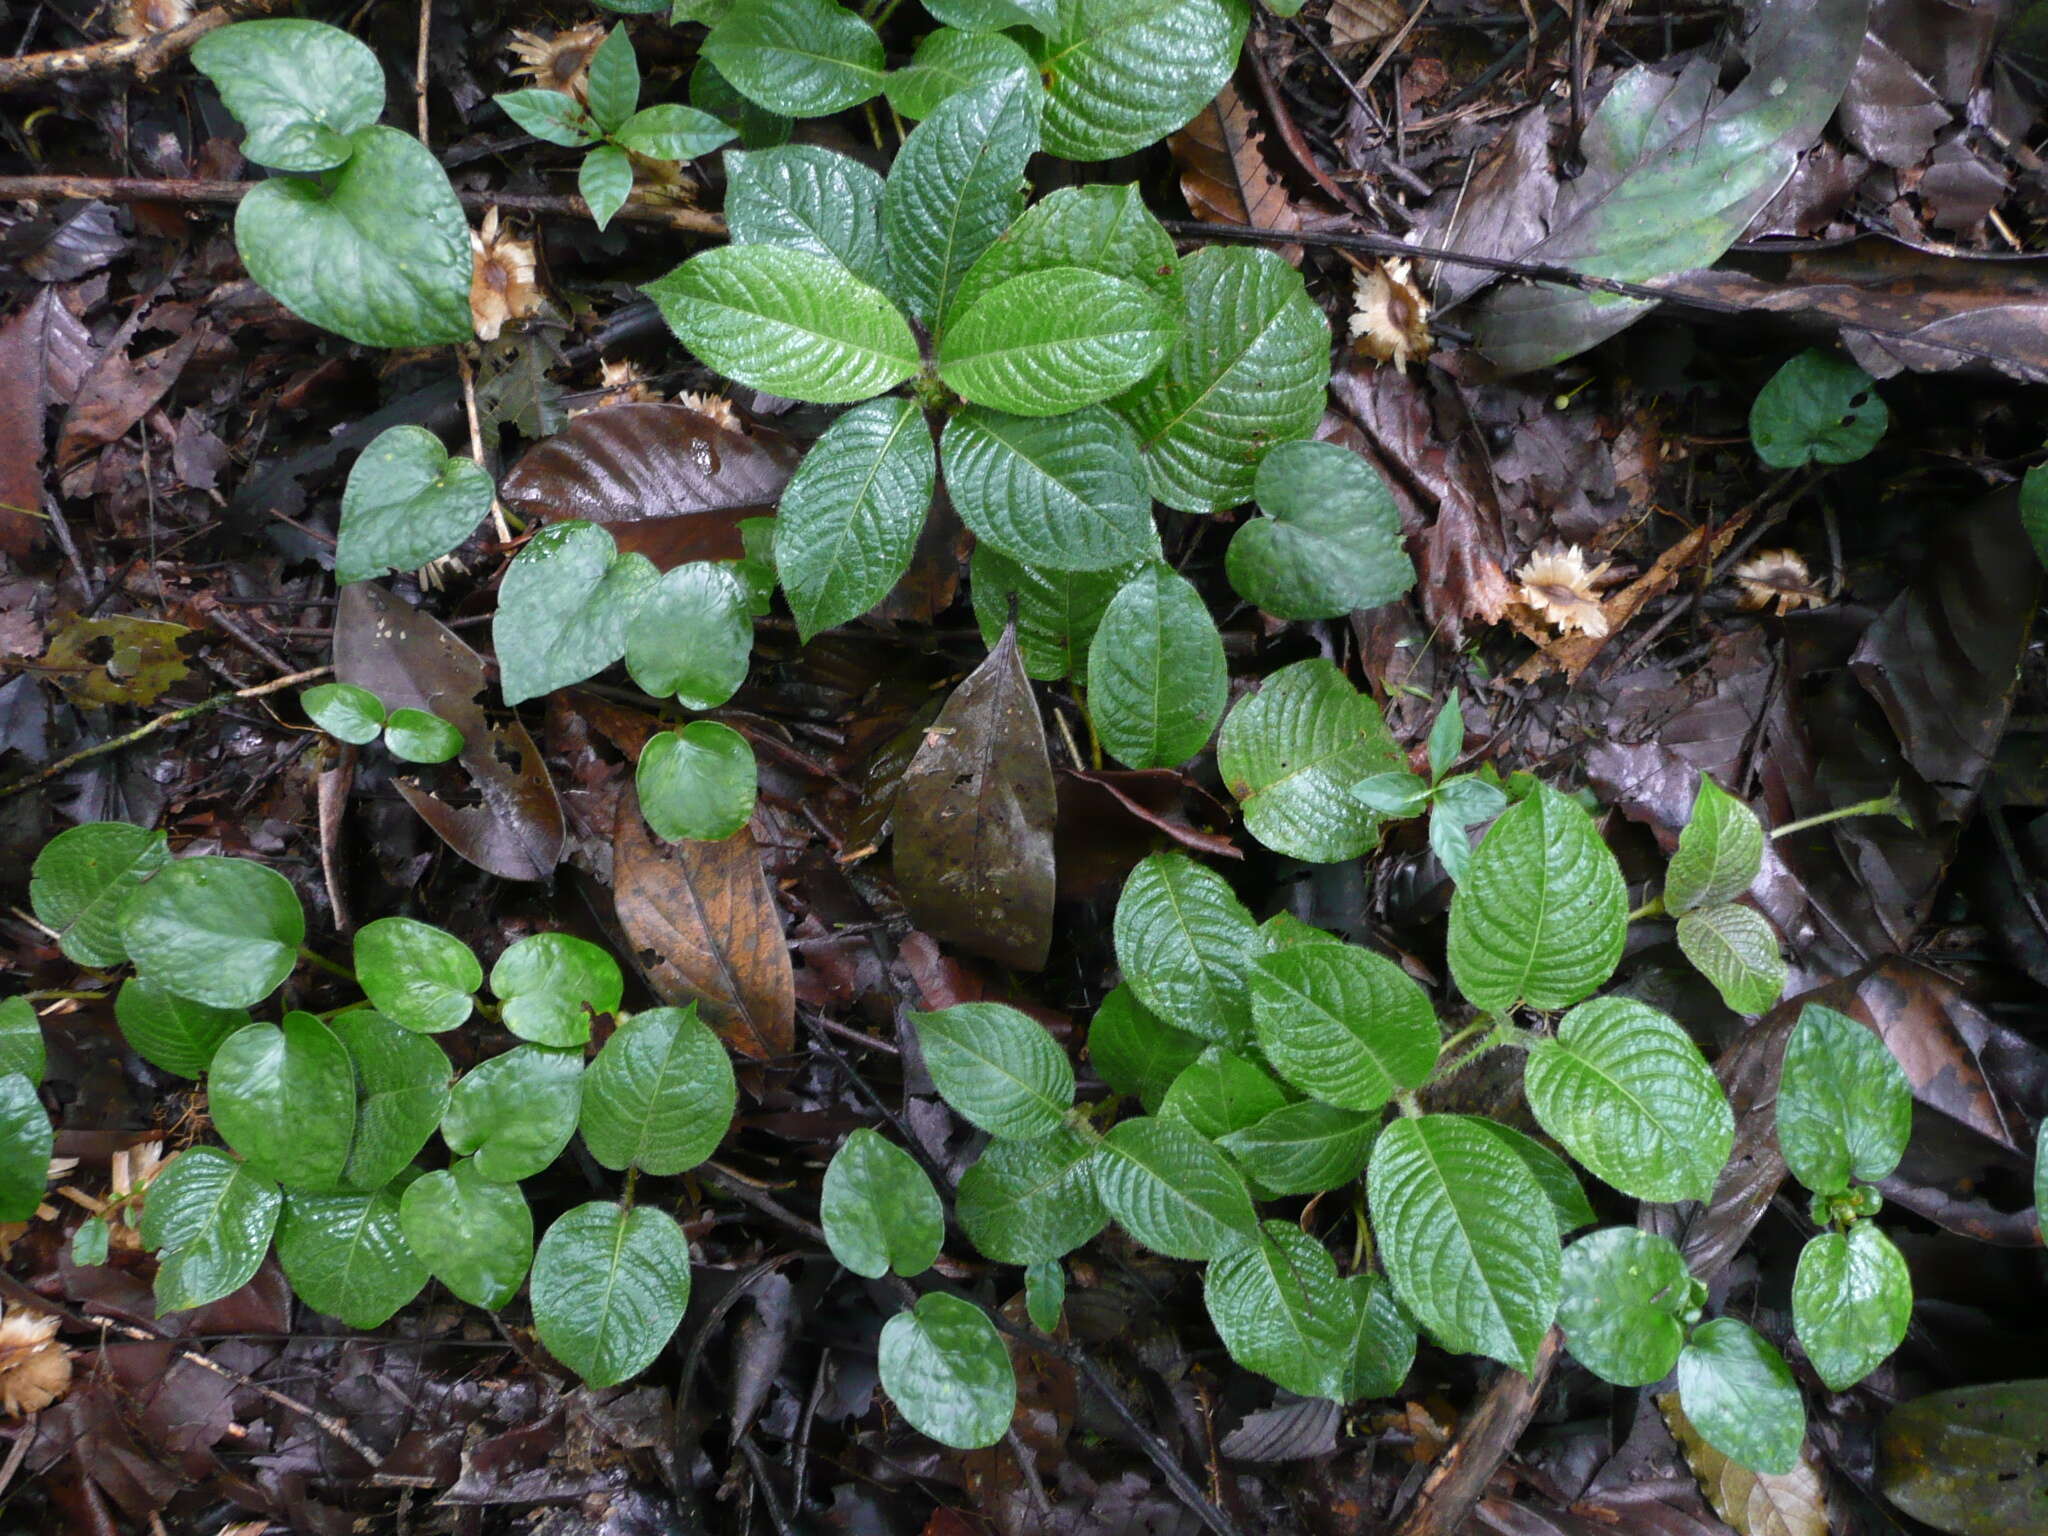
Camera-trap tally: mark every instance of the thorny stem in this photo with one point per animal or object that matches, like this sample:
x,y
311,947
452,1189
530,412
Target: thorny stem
x,y
1880,805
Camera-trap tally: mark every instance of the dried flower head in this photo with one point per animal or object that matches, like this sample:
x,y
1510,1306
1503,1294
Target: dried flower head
x,y
1776,576
1390,320
145,18
501,282
1558,585
558,63
35,1369
717,407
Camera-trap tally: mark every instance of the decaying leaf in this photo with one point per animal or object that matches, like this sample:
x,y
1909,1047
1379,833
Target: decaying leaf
x,y
1970,1461
1776,576
1558,584
1753,1503
1223,170
974,819
121,660
704,927
1355,23
1390,315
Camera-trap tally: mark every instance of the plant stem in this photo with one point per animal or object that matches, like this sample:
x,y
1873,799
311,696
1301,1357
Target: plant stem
x,y
66,997
1502,1033
1654,907
323,963
1879,805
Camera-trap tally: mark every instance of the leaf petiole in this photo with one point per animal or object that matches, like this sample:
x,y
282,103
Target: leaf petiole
x,y
1878,805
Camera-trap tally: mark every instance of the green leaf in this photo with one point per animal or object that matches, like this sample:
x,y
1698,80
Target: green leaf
x,y
1817,408
1174,1191
1620,1288
555,117
998,1068
1330,541
955,185
1280,1310
808,199
1467,1236
1967,1460
474,1236
26,1139
994,15
1135,1051
1290,751
1186,945
692,635
416,975
1852,1299
849,519
284,1097
802,58
605,181
564,608
209,1218
1058,612
1249,371
879,1209
1283,930
1066,493
1099,228
1126,73
1045,1295
1719,853
1740,1396
515,1112
215,930
172,1032
1032,1202
697,782
1446,737
1220,1092
612,80
1395,793
401,1093
377,252
945,1366
346,1254
1157,681
1052,341
758,128
345,712
21,1040
82,877
1541,915
1303,1149
1629,1095
2034,509
421,736
1342,1024
551,983
610,1284
788,321
298,88
950,61
89,1242
660,1094
1568,1200
2041,1184
1844,1106
1381,1348
1736,949
672,131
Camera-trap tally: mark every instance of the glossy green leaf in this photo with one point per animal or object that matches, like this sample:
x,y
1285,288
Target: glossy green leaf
x,y
298,88
1852,1300
1720,852
955,185
1157,682
1186,945
1553,1174
879,1210
659,1095
1541,915
994,15
809,199
1105,229
284,1097
421,736
697,782
1174,1191
1845,1108
417,975
949,61
802,58
346,1254
1736,948
1342,1024
82,877
515,1112
210,1220
998,1068
407,501
1380,1350
1045,1295
90,1241
1032,1202
401,1093
1135,1051
1068,494
604,181
215,930
610,1284
474,1236
672,131
945,1366
1740,1396
26,1139
1628,1094
554,117
1126,73
564,608
377,251
612,80
1051,341
757,127
1467,1236
692,636
1249,371
1291,751
1968,1460
1303,1149
1058,612
1220,1092
21,1040
551,983
1394,793
1818,408
1330,540
1617,1305
1446,733
848,521
1280,1310
345,712
788,321
172,1032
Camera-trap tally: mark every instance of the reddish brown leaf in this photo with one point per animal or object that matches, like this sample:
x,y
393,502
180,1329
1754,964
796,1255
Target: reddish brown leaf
x,y
704,928
119,393
43,348
1224,174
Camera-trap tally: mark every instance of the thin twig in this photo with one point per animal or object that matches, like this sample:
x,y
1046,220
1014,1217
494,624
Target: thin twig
x,y
135,57
476,440
419,73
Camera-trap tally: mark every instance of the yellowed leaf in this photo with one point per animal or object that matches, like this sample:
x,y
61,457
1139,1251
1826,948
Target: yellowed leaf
x,y
1753,1503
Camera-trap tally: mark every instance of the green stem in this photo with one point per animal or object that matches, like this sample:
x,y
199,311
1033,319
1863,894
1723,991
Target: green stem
x,y
1502,1033
66,997
1654,907
323,963
1879,805
1463,1035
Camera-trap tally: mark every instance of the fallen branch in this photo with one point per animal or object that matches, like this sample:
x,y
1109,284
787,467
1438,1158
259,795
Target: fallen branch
x,y
1484,1440
136,57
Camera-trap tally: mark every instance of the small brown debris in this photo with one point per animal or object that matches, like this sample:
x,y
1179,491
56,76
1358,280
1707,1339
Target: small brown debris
x,y
145,18
558,63
35,1370
501,284
1390,321
1557,584
1776,576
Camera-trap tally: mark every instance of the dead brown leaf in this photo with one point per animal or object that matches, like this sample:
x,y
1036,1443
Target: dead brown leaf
x,y
1754,1503
1224,174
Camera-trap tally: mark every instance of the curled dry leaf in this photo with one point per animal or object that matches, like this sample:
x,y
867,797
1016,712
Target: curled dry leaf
x,y
1390,315
513,826
1356,23
1224,174
1558,584
35,1369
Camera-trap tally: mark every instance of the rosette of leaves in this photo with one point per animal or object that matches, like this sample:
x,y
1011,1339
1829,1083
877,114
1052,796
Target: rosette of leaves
x,y
1456,802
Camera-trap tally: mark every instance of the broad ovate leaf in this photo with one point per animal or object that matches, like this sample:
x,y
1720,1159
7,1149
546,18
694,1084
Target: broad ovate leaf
x,y
564,607
610,1284
879,1210
1845,1108
1852,1299
1720,851
401,1093
407,502
215,930
1048,342
949,61
1105,229
170,1031
345,712
1330,539
474,1236
671,131
1568,1200
417,975
346,1254
1067,493
802,58
692,635
209,1218
1291,751
809,199
284,1097
1173,1191
1818,408
697,782
659,1095
1157,681
515,1112
1186,945
1736,949
551,984
1342,1024
299,89
82,877
945,1366
1303,1149
998,1068
1032,1202
1739,1394
1280,1310
1125,73
26,1139
1220,1092
1135,1051
1621,1292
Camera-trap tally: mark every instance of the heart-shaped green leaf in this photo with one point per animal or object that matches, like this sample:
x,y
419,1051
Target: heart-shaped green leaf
x,y
82,877
284,1097
346,1254
879,1210
1303,1149
1125,73
1067,493
298,88
1616,1308
407,502
1330,541
1290,751
172,1032
345,712
945,1365
417,975
401,1093
1032,1202
998,1068
421,736
809,199
1736,948
515,1112
949,61
215,930
698,782
610,1284
802,58
1186,946
660,1094
551,983
1852,1299
1342,1024
1051,341
1720,852
1741,1397
564,608
1845,1108
26,1138
1817,408
1174,1191
692,635
474,1236
209,1218
1135,1051
1100,228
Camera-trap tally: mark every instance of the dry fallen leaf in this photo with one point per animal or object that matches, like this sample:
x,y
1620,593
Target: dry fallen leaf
x,y
1753,1503
1390,315
561,62
1224,173
1356,23
1557,584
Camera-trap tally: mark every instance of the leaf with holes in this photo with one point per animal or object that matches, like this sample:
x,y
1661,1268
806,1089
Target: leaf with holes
x,y
1342,1024
945,1366
659,1095
998,1068
610,1284
1032,1202
1157,681
564,607
1068,493
215,930
1736,949
407,502
1186,945
474,1236
1291,751
209,1219
82,877
1720,852
1330,539
1818,408
879,1210
346,1255
1845,1108
1173,1190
